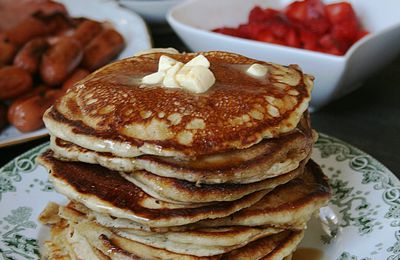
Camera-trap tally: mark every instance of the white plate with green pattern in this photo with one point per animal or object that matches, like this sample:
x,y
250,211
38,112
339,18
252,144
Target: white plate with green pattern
x,y
366,199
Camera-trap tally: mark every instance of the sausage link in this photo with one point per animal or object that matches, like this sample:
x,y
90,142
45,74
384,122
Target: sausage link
x,y
14,82
28,58
26,30
76,76
56,22
26,113
7,51
86,31
102,49
60,60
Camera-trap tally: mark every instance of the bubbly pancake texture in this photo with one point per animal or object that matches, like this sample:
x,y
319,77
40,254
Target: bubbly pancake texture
x,y
269,158
75,237
111,111
178,191
105,191
287,206
201,242
290,204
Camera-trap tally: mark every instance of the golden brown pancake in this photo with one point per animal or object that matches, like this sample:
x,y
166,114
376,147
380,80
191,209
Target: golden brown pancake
x,y
273,247
111,111
269,158
179,191
288,204
76,237
106,191
201,242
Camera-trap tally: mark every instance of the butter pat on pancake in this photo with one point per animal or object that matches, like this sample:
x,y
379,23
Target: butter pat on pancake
x,y
111,111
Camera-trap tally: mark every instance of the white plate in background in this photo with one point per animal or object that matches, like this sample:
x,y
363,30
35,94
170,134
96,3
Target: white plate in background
x,y
126,22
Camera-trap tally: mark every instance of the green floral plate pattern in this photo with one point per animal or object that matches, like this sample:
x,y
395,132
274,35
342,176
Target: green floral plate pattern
x,y
366,200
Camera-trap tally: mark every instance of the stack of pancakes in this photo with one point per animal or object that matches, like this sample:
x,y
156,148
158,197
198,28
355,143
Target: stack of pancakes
x,y
159,173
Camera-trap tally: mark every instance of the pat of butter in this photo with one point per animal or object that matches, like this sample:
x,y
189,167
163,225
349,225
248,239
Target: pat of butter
x,y
199,60
154,78
194,76
169,79
197,79
156,50
257,70
166,63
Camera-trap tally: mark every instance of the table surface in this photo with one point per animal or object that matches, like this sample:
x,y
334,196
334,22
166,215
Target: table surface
x,y
368,118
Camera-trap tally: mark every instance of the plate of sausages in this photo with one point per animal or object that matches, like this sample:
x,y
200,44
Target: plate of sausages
x,y
47,46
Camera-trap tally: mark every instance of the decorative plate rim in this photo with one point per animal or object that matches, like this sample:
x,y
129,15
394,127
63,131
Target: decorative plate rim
x,y
328,146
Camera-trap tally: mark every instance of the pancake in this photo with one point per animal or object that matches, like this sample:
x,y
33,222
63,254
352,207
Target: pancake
x,y
281,244
266,159
56,248
292,203
179,191
106,191
275,246
111,111
83,239
288,206
202,242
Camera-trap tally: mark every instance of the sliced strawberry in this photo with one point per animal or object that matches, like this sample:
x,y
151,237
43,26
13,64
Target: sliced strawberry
x,y
251,30
259,15
309,40
361,34
307,24
345,31
229,31
256,15
329,45
340,12
308,14
268,36
280,29
296,12
293,39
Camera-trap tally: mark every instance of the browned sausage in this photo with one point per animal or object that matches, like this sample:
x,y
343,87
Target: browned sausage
x,y
14,82
60,60
86,31
37,90
56,22
76,76
102,49
50,7
3,115
7,51
26,113
26,30
28,58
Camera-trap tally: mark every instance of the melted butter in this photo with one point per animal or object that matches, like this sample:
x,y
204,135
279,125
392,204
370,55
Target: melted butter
x,y
307,254
243,69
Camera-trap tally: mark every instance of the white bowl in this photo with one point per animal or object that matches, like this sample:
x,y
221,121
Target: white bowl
x,y
151,10
335,75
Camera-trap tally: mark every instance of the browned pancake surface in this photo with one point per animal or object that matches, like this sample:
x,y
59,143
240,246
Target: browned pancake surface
x,y
269,158
88,182
236,112
288,204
